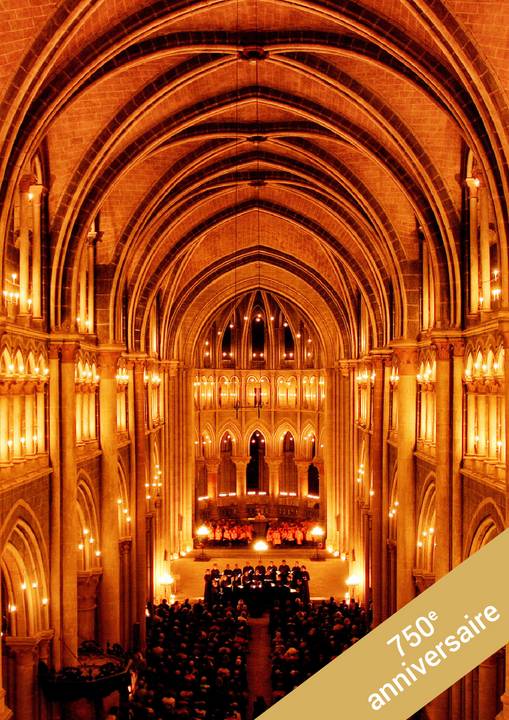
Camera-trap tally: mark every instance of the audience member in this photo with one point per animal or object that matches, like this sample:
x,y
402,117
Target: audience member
x,y
195,664
305,637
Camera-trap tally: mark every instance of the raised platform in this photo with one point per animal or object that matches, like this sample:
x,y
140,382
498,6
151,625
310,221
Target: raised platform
x,y
327,578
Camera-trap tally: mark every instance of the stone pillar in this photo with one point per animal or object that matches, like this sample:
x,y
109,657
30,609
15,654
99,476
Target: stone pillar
x,y
36,192
484,236
377,441
139,501
212,465
406,537
343,439
125,591
24,246
55,578
504,714
443,460
274,477
26,657
90,249
472,185
330,500
88,582
456,485
187,460
488,688
5,712
302,475
440,706
109,619
240,467
45,637
69,502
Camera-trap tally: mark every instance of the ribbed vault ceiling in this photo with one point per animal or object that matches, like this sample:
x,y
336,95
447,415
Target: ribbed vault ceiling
x,y
322,141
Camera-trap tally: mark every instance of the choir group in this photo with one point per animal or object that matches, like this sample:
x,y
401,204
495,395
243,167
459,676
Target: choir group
x,y
259,586
232,533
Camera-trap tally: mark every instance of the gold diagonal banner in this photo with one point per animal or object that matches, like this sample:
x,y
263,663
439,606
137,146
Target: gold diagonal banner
x,y
417,653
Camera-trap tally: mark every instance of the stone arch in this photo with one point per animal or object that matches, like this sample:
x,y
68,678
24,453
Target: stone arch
x,y
425,553
24,564
486,523
88,540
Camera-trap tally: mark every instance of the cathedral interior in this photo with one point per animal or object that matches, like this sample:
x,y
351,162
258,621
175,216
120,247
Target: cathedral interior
x,y
254,265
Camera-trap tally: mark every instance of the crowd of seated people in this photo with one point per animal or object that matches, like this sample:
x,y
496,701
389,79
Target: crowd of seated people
x,y
195,666
291,534
305,637
229,533
258,586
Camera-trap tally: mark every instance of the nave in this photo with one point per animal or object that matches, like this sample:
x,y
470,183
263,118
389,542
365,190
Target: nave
x,y
229,657
254,281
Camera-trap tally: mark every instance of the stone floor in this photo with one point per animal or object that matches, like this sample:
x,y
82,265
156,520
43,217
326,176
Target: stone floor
x,y
327,577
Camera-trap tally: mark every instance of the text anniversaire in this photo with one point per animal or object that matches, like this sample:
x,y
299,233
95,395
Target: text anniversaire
x,y
412,636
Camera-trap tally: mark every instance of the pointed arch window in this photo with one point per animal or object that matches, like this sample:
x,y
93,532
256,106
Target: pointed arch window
x,y
289,476
288,343
258,337
227,480
257,471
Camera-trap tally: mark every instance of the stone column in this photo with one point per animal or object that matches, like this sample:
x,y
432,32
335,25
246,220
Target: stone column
x,y
88,582
406,538
241,463
109,619
69,502
212,465
26,658
274,476
488,688
125,591
440,706
472,187
5,389
484,236
504,714
44,637
187,455
5,712
456,485
302,477
443,460
330,500
90,249
24,245
55,578
36,192
377,441
139,501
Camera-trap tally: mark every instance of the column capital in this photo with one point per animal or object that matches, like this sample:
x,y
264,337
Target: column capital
x,y
381,356
88,583
137,359
64,349
108,357
94,237
124,546
442,349
68,351
302,462
24,647
212,464
407,358
472,184
458,347
273,462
